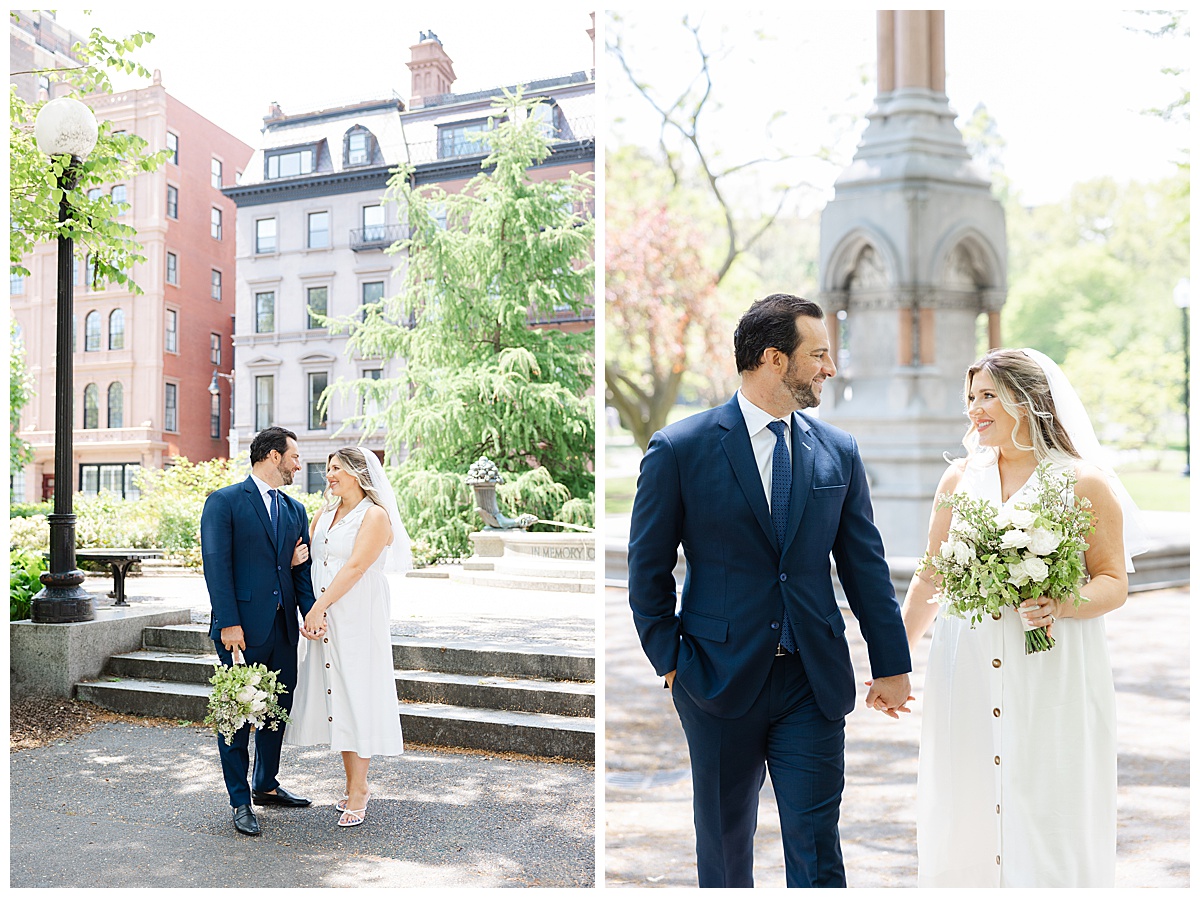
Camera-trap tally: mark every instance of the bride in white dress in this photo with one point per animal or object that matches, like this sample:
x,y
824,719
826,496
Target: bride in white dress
x,y
1017,777
346,688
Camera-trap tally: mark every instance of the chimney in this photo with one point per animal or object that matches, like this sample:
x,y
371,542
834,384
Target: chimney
x,y
432,70
591,33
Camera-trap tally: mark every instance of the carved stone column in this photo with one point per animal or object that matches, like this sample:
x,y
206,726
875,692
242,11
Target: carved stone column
x,y
913,252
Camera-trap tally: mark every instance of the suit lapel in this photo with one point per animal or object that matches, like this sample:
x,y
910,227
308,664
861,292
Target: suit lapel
x,y
260,508
736,443
804,447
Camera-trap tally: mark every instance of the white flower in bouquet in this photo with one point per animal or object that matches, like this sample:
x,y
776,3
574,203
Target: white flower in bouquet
x,y
1028,568
1014,516
1014,539
1043,540
964,531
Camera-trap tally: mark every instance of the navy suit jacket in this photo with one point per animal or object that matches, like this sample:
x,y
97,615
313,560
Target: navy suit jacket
x,y
700,487
248,575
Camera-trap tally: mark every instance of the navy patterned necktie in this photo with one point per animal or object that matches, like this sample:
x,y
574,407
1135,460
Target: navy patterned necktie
x,y
781,503
274,494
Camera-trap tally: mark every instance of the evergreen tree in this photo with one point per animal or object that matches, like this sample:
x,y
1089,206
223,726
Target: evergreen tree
x,y
478,380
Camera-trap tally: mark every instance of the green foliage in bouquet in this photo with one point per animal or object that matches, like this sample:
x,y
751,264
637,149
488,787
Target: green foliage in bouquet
x,y
244,694
997,558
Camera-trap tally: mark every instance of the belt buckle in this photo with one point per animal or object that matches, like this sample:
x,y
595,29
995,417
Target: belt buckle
x,y
780,651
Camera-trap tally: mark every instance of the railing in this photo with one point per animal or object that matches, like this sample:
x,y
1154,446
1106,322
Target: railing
x,y
377,236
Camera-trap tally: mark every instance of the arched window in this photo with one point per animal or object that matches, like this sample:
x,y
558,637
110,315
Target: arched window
x,y
91,407
116,329
116,404
91,332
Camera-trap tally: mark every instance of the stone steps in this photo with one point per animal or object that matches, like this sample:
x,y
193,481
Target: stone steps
x,y
528,661
525,699
468,690
486,729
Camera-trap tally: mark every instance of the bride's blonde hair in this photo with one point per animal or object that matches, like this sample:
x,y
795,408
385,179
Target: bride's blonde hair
x,y
1024,392
353,462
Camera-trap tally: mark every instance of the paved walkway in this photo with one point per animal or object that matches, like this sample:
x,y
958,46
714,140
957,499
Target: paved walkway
x,y
648,834
138,806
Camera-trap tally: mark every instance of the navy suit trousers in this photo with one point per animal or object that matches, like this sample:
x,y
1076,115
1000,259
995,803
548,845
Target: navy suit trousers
x,y
783,732
277,653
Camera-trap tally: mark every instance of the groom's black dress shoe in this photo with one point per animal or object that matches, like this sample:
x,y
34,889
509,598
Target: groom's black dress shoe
x,y
244,820
281,797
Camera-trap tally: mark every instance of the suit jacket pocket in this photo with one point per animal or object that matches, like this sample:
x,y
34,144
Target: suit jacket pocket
x,y
837,623
714,629
835,491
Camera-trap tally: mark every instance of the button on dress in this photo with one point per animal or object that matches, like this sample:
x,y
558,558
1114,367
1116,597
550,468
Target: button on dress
x,y
346,686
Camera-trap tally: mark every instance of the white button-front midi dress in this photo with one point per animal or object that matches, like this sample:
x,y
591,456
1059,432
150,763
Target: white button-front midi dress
x,y
1017,778
346,686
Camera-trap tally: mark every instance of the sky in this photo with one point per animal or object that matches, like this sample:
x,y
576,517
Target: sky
x,y
1066,89
229,63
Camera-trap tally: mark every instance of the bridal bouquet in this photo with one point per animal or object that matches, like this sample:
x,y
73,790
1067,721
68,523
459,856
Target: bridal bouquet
x,y
994,558
242,694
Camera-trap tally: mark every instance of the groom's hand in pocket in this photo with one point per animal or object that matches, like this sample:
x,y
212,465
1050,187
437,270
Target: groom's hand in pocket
x,y
233,637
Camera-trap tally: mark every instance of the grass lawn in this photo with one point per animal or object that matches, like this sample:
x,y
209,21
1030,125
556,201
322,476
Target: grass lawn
x,y
618,494
1158,490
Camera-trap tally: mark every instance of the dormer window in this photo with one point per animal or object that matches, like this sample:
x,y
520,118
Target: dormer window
x,y
453,140
359,147
291,162
549,118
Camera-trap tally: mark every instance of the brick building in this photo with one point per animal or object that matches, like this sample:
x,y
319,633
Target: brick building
x,y
143,363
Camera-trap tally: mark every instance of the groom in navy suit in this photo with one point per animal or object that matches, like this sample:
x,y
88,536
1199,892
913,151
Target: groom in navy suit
x,y
247,534
759,669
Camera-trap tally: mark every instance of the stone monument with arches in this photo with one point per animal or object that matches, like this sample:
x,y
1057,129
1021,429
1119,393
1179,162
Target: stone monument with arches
x,y
912,278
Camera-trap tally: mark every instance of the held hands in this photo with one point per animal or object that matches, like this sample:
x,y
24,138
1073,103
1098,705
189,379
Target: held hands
x,y
300,554
890,695
314,624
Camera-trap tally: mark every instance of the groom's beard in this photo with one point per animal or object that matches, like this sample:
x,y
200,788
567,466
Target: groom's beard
x,y
286,475
801,392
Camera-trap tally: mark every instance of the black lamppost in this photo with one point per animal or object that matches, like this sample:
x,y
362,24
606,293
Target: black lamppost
x,y
1183,300
64,127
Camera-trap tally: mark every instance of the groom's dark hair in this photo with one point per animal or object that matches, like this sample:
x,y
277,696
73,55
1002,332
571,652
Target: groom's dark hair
x,y
270,439
770,322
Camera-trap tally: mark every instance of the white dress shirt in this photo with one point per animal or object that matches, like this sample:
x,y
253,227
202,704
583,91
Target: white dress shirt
x,y
762,440
263,487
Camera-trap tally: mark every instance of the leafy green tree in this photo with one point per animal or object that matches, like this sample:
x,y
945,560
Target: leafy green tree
x,y
20,391
35,179
1090,284
478,379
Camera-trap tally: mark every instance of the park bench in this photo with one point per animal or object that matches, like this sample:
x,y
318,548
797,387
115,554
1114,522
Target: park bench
x,y
121,560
